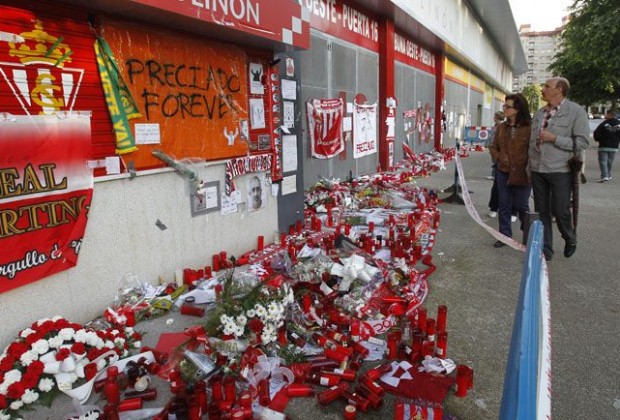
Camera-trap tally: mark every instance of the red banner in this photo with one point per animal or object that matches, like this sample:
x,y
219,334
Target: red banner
x,y
45,192
325,127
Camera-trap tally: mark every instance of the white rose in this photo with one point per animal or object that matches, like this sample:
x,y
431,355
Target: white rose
x,y
30,396
46,384
41,346
16,405
55,342
251,313
25,333
28,357
66,333
4,416
242,320
57,318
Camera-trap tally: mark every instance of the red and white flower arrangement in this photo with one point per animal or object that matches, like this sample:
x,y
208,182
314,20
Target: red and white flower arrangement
x,y
53,354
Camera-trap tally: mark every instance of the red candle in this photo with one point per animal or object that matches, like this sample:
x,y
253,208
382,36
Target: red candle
x,y
260,245
374,387
111,389
375,400
462,380
216,262
442,344
430,329
422,318
208,273
349,412
282,239
245,399
223,257
217,392
298,226
299,390
442,316
130,404
230,388
192,310
332,394
371,227
392,345
378,371
347,229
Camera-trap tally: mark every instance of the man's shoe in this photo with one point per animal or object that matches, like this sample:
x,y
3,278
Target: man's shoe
x,y
583,178
604,179
569,249
548,257
499,244
493,214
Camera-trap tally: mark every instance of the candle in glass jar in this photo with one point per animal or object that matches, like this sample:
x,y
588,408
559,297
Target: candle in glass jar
x,y
260,243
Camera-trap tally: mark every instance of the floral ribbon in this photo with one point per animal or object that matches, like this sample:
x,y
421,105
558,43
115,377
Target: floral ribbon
x,y
354,267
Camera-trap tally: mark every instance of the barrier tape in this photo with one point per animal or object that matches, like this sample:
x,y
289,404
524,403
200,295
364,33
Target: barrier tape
x,y
543,399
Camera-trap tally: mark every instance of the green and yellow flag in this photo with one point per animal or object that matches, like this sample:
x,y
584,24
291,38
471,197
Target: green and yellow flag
x,y
120,103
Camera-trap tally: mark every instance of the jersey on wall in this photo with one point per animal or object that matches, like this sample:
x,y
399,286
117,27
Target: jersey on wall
x,y
325,127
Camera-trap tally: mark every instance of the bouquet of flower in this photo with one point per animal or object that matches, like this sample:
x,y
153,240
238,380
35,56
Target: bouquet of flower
x,y
255,314
53,354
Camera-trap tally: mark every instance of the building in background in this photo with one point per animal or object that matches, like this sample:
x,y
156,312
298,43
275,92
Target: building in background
x,y
540,48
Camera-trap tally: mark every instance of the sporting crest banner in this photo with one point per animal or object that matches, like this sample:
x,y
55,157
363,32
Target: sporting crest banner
x,y
325,127
45,191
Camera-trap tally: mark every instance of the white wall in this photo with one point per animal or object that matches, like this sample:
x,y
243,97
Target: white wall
x,y
121,237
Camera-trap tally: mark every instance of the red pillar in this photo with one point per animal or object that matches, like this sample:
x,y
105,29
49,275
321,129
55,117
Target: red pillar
x,y
440,84
386,86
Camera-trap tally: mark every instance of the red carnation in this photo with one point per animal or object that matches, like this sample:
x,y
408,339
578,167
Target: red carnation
x,y
61,323
63,354
93,353
17,348
36,367
30,380
15,391
3,403
33,338
255,325
46,327
7,363
78,348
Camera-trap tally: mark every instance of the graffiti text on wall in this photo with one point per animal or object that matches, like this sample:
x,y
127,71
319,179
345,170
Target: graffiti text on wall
x,y
194,91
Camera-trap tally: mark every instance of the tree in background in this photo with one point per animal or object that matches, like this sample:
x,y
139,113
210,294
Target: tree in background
x,y
533,94
590,54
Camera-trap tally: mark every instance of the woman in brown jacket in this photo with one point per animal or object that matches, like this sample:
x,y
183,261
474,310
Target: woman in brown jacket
x,y
510,150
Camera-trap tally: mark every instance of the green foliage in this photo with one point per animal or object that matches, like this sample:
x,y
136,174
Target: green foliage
x,y
590,55
533,94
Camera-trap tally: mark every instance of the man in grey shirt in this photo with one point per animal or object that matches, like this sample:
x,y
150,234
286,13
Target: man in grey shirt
x,y
555,129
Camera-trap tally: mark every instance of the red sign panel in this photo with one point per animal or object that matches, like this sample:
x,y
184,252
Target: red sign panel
x,y
344,21
45,192
277,20
408,52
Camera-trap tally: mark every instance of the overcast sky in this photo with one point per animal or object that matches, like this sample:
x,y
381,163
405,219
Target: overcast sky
x,y
543,15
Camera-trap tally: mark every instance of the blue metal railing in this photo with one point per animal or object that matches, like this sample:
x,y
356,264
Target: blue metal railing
x,y
528,368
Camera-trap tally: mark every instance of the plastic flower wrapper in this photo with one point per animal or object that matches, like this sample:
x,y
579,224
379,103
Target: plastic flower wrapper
x,y
281,262
397,201
312,263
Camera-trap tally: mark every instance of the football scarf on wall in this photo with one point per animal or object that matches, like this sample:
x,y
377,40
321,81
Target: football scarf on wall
x,y
45,194
121,105
325,127
364,130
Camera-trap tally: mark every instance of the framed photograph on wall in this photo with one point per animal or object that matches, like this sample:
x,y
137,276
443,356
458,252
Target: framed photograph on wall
x,y
264,142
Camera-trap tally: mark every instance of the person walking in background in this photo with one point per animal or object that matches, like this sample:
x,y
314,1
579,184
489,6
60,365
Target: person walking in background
x,y
558,129
509,150
607,134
